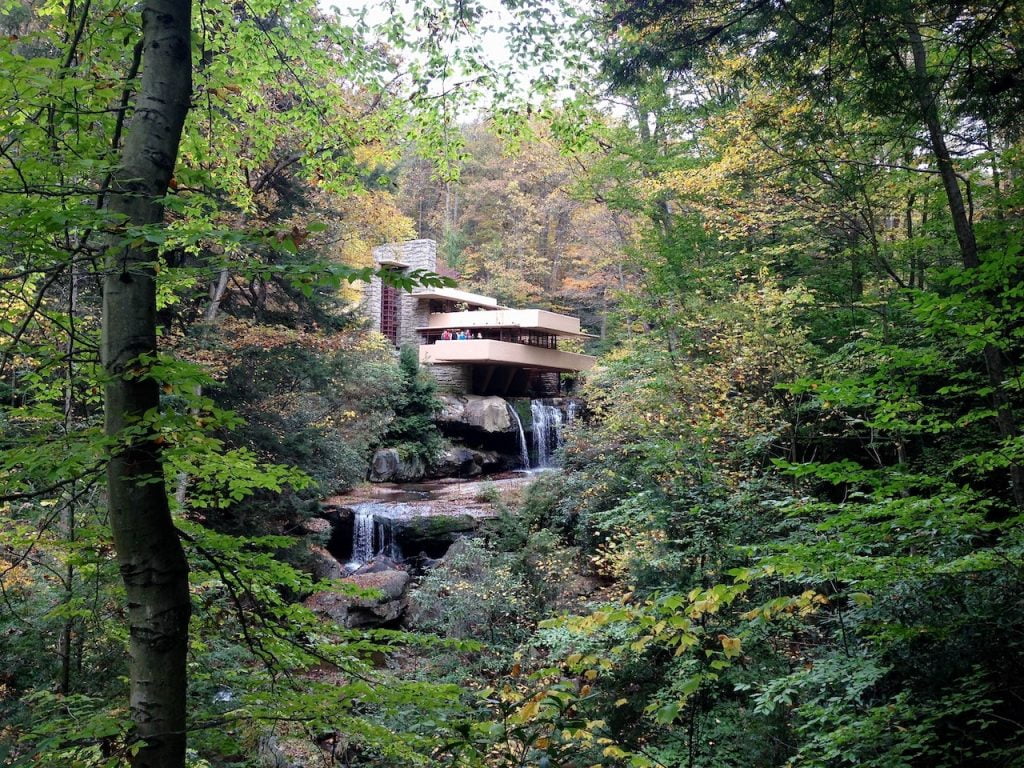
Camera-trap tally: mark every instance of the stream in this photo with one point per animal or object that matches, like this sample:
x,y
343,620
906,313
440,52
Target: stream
x,y
413,521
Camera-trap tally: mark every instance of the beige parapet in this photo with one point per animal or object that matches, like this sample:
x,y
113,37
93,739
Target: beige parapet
x,y
492,352
538,320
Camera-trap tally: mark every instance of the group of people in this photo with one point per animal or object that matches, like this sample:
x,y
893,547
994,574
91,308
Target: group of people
x,y
447,335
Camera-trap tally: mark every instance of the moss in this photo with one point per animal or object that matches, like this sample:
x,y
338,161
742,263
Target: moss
x,y
522,407
440,525
432,535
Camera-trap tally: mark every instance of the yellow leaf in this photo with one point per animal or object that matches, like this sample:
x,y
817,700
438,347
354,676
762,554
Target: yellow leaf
x,y
529,711
731,645
614,751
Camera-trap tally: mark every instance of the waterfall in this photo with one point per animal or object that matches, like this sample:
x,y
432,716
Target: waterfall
x,y
572,411
524,454
372,537
362,535
547,431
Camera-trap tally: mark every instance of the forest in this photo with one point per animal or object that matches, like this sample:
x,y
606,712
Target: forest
x,y
777,524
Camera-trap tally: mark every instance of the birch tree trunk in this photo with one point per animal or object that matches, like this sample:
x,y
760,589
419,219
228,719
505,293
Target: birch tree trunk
x,y
149,554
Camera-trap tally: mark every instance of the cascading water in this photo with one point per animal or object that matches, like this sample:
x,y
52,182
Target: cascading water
x,y
547,431
524,454
371,537
362,535
572,411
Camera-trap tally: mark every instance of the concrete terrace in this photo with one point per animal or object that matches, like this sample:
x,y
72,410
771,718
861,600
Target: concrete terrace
x,y
472,343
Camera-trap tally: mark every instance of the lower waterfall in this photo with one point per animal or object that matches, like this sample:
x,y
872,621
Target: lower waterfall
x,y
524,454
370,537
547,431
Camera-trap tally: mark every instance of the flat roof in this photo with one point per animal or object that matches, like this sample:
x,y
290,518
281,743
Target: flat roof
x,y
465,297
524,328
538,320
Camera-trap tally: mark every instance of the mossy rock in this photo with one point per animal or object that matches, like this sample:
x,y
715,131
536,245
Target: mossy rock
x,y
523,410
432,534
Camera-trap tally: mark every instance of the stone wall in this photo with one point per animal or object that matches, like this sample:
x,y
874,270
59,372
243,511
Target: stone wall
x,y
546,384
453,379
412,313
372,302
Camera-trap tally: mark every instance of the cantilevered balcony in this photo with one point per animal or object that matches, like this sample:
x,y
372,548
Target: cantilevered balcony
x,y
495,352
535,320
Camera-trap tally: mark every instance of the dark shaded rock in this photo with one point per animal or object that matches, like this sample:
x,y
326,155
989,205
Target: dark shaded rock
x,y
335,513
389,467
342,520
318,526
426,563
378,564
460,461
431,535
324,564
354,612
457,461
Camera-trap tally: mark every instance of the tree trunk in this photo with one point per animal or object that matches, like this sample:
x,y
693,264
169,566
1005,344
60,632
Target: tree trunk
x,y
149,554
928,101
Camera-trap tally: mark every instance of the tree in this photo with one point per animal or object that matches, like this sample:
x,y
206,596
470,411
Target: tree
x,y
795,469
109,177
150,555
413,431
907,61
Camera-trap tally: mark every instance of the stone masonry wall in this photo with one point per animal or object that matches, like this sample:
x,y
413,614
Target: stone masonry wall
x,y
372,299
415,254
453,379
412,313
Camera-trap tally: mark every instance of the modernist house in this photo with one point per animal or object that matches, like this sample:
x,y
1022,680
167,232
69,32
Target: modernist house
x,y
507,352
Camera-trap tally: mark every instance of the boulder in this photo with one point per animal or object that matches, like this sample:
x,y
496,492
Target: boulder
x,y
377,565
376,612
457,461
452,408
390,583
318,526
432,534
354,612
329,605
389,467
324,564
490,414
476,412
